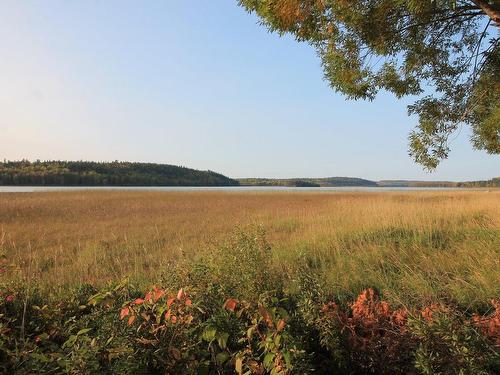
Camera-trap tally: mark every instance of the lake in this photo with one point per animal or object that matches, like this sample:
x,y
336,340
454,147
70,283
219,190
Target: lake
x,y
33,189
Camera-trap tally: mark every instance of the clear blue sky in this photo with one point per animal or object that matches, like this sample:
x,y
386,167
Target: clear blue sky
x,y
193,83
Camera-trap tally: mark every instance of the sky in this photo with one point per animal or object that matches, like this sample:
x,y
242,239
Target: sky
x,y
194,83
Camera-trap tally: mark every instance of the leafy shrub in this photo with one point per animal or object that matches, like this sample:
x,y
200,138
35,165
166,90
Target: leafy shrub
x,y
448,343
230,312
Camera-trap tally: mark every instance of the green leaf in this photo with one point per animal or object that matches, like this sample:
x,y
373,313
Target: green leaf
x,y
288,358
209,334
277,340
83,331
70,341
108,341
159,313
282,313
268,360
222,357
222,339
250,332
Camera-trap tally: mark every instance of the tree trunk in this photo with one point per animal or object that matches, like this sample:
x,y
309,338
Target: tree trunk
x,y
490,10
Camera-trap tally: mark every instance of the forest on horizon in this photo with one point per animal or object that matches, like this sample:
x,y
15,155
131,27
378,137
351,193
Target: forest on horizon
x,y
88,173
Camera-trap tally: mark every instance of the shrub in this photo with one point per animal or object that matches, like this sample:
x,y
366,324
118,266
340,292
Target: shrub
x,y
230,312
448,343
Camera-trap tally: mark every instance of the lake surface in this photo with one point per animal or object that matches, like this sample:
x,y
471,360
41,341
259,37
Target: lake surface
x,y
33,189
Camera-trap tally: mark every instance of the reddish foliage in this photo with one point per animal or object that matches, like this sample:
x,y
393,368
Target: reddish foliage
x,y
158,293
230,304
379,336
124,312
429,311
490,325
131,320
180,294
376,335
266,316
281,324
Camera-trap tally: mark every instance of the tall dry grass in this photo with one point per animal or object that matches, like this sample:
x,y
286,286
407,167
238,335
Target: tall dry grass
x,y
415,246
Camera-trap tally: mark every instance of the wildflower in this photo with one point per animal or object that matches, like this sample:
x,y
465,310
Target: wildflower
x,y
9,298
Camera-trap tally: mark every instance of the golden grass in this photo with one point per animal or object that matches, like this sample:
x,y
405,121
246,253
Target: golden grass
x,y
410,244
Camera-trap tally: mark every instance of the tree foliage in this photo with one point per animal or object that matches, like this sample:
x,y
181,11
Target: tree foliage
x,y
88,173
443,51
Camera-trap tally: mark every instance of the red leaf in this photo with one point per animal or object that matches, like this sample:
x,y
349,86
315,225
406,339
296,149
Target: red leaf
x,y
170,301
180,294
266,316
124,312
139,301
131,320
158,294
280,325
230,304
148,296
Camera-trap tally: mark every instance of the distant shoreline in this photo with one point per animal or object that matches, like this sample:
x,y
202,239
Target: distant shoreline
x,y
83,174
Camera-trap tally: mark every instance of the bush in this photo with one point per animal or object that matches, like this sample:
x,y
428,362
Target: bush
x,y
230,312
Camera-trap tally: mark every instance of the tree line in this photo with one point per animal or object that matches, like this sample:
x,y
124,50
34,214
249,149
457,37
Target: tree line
x,y
494,182
89,173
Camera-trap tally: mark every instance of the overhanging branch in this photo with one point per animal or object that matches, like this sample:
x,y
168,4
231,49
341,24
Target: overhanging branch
x,y
490,10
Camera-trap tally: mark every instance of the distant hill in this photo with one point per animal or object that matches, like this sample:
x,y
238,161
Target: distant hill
x,y
413,183
494,182
307,182
353,181
88,173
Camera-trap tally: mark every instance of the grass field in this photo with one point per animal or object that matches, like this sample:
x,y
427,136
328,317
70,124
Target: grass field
x,y
250,283
416,245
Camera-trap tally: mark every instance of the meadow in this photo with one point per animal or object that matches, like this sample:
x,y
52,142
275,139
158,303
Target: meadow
x,y
413,251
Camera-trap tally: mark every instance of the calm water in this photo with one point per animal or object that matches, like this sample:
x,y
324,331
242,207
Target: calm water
x,y
31,189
